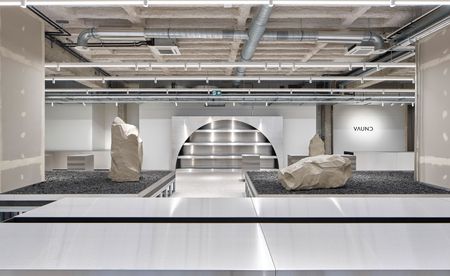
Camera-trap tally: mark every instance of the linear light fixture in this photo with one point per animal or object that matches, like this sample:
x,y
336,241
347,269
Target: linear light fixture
x,y
149,3
226,90
262,65
207,79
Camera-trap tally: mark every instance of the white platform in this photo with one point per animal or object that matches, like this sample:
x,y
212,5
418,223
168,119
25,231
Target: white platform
x,y
359,249
400,249
352,207
133,249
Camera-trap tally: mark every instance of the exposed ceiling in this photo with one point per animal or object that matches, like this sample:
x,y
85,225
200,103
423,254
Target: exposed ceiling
x,y
381,20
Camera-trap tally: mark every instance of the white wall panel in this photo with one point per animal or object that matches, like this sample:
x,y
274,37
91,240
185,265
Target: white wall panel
x,y
21,99
433,109
386,128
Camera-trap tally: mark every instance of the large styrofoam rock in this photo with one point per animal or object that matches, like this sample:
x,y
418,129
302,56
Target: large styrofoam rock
x,y
322,171
126,152
316,146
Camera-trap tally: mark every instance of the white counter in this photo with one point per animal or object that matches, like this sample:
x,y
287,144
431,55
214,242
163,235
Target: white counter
x,y
133,249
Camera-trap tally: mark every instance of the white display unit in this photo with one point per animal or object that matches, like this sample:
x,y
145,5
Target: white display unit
x,y
221,145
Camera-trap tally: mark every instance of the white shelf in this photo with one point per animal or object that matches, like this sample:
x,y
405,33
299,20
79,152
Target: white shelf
x,y
189,157
226,144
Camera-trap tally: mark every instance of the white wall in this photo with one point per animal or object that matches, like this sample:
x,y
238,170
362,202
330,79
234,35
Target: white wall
x,y
155,126
76,127
102,117
22,99
156,135
68,127
389,133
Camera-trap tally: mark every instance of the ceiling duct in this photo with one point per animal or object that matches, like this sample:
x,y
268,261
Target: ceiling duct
x,y
368,38
256,31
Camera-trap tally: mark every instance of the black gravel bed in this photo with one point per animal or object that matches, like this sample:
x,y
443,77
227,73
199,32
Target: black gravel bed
x,y
89,182
361,182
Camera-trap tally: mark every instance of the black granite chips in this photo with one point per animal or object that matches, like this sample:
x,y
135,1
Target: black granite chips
x,y
89,182
362,182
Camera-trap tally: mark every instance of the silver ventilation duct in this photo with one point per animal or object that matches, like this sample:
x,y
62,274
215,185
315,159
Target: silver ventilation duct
x,y
332,37
256,31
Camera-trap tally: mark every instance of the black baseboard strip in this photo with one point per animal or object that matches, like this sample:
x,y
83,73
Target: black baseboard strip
x,y
229,220
24,203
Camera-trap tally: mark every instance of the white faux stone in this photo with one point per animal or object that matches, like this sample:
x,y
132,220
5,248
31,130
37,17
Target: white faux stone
x,y
316,146
322,171
126,152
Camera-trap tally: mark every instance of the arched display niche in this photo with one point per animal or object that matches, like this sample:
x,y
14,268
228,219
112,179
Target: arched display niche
x,y
220,144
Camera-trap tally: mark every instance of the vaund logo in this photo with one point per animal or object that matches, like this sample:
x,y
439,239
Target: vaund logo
x,y
363,128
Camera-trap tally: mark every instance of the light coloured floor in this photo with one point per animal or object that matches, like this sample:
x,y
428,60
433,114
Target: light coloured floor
x,y
206,183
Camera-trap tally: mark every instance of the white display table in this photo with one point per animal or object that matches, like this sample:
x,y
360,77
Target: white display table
x,y
384,161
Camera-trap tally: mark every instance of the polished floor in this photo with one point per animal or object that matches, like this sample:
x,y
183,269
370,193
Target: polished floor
x,y
207,183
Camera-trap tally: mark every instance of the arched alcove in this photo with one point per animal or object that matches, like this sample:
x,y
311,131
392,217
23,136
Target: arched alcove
x,y
220,145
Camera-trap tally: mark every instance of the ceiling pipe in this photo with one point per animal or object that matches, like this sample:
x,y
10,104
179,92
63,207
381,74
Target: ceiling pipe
x,y
66,91
406,36
205,65
222,99
207,79
434,21
256,31
189,3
